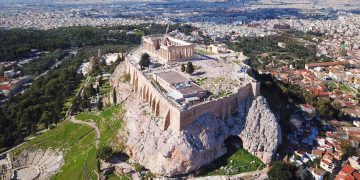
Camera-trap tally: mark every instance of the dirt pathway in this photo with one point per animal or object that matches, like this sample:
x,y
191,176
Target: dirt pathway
x,y
90,124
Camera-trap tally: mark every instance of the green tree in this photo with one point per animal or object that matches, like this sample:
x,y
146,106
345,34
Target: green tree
x,y
189,68
282,171
348,150
45,117
144,61
183,68
325,108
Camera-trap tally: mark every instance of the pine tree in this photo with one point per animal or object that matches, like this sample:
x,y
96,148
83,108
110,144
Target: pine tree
x,y
189,68
144,61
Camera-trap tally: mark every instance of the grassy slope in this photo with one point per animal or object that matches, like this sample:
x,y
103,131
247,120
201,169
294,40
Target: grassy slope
x,y
77,144
238,162
241,161
108,121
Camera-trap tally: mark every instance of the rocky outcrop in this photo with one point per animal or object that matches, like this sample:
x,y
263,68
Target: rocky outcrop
x,y
261,134
172,153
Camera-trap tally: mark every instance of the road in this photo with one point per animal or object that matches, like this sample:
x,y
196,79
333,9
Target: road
x,y
90,124
47,71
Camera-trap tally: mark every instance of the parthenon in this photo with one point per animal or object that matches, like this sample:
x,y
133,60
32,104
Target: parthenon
x,y
167,48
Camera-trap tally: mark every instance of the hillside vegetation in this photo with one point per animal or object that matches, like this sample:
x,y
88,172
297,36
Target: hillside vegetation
x,y
77,142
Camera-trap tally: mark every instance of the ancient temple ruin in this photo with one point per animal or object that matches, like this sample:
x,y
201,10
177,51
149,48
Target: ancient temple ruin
x,y
168,48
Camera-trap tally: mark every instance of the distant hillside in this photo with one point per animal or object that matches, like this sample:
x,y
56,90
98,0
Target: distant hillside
x,y
70,1
302,4
98,1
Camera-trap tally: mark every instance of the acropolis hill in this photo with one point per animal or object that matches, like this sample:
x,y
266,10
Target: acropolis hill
x,y
173,96
177,122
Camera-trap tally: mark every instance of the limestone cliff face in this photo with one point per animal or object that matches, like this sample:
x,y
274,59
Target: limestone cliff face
x,y
172,153
261,134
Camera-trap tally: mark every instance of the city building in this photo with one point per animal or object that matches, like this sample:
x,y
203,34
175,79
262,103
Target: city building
x,y
354,161
326,163
321,64
317,173
346,173
180,88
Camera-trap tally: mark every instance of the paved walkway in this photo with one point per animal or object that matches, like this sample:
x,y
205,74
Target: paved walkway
x,y
90,124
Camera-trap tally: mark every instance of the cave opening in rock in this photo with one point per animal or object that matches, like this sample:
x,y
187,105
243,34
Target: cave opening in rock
x,y
233,143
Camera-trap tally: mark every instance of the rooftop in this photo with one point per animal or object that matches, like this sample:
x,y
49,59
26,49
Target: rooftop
x,y
317,171
347,169
172,77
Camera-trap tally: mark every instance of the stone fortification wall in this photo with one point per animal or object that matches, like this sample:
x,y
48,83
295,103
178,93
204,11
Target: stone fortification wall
x,y
160,106
221,108
178,119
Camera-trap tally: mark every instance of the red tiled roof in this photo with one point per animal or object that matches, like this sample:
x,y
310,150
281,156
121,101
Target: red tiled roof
x,y
317,152
344,177
349,177
339,177
327,157
347,169
356,175
325,162
3,79
354,131
5,87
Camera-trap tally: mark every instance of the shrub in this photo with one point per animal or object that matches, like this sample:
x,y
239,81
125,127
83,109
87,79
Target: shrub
x,y
126,77
183,68
282,171
138,167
